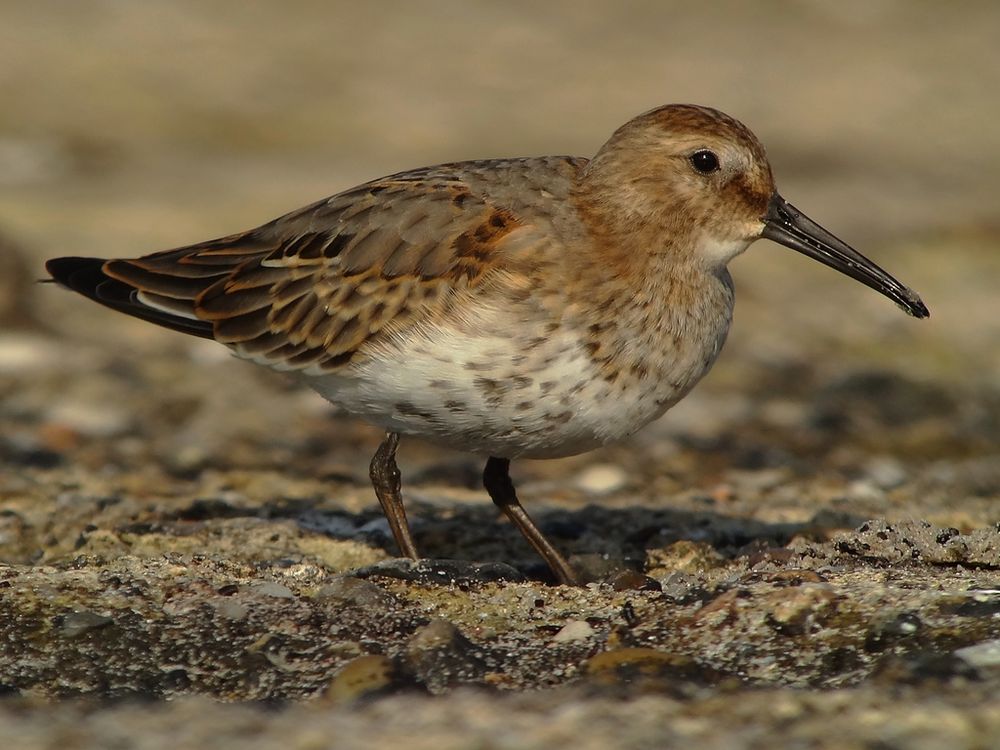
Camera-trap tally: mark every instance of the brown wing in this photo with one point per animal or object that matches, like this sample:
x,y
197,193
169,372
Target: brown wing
x,y
308,289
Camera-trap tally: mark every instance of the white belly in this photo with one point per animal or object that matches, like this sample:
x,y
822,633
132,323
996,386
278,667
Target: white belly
x,y
517,395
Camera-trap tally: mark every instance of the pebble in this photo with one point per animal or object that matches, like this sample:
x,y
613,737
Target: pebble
x,y
90,419
801,609
864,489
439,656
360,593
362,676
602,479
82,621
232,610
649,666
683,556
886,472
678,585
437,635
271,588
630,657
574,630
21,354
633,580
985,655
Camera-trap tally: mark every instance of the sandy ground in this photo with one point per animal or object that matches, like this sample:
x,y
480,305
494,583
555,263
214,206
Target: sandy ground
x,y
804,553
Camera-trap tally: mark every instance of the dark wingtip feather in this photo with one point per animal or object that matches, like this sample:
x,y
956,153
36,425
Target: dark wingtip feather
x,y
86,276
78,274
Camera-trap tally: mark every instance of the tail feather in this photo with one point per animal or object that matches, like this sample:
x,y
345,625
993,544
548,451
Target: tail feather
x,y
89,277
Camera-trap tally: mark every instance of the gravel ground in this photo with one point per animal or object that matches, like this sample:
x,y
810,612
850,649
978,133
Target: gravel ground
x,y
802,554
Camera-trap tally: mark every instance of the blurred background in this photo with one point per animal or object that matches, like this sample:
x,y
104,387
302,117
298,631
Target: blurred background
x,y
129,127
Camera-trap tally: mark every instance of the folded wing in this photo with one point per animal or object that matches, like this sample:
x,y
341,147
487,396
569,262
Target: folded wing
x,y
310,289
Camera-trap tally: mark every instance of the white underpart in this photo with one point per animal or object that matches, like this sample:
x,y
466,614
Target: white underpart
x,y
485,389
469,391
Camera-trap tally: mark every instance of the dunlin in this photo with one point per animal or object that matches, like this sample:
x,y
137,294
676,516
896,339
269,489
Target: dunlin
x,y
536,307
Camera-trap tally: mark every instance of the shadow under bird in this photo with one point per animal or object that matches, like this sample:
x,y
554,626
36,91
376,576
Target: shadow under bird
x,y
536,307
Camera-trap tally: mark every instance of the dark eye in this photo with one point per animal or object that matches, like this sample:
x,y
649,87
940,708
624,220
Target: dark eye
x,y
704,161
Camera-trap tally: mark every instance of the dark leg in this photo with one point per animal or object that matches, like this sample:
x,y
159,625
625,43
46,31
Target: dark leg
x,y
386,481
496,479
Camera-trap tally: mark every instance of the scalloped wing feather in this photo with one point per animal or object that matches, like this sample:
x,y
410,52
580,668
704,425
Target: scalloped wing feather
x,y
310,289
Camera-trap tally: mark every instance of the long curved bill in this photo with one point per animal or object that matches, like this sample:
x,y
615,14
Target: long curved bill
x,y
788,226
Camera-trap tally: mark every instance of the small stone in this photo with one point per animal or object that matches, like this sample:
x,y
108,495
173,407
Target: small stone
x,y
439,634
643,659
92,420
800,609
650,669
886,472
985,655
602,479
83,621
21,354
362,676
683,556
632,580
232,610
574,630
678,586
360,593
271,588
864,490
440,656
